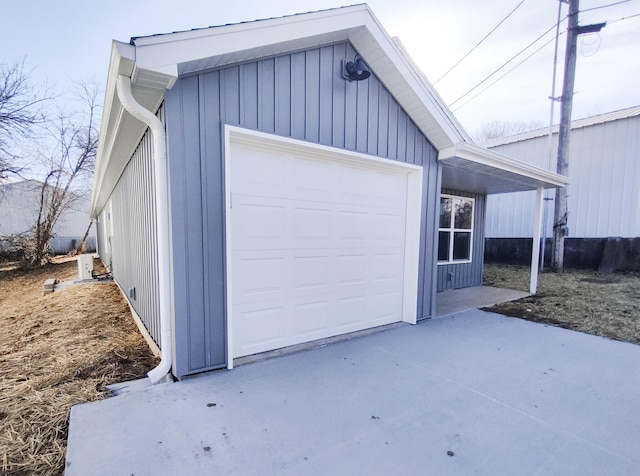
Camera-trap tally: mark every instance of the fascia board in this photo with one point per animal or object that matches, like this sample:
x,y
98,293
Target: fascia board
x,y
498,161
398,73
357,24
159,52
121,61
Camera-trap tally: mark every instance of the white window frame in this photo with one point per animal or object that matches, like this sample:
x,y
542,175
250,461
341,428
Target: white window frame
x,y
451,230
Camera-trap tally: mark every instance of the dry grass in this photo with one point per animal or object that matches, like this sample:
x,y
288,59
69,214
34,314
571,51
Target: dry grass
x,y
56,351
607,305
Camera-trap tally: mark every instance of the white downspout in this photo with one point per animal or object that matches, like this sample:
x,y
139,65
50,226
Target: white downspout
x,y
162,220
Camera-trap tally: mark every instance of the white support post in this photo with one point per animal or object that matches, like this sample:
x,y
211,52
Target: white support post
x,y
535,248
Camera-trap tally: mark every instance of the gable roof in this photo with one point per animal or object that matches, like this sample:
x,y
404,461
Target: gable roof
x,y
575,124
155,62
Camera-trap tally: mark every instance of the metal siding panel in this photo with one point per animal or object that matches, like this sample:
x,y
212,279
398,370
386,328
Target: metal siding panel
x,y
373,113
401,143
312,96
392,129
266,96
187,226
133,241
383,122
298,99
283,95
177,187
351,115
193,240
411,143
362,115
604,173
230,95
213,252
339,98
326,96
249,95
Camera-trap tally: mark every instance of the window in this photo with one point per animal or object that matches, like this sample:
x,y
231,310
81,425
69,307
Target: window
x,y
455,236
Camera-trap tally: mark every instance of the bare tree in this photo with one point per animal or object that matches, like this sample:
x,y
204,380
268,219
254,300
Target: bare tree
x,y
19,112
69,160
498,129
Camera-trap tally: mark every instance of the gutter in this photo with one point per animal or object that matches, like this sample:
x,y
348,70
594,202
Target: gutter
x,y
125,95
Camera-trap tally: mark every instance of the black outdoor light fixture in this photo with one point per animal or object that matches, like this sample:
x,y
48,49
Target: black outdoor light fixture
x,y
355,70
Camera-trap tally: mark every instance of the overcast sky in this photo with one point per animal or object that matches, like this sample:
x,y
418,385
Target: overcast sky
x,y
69,40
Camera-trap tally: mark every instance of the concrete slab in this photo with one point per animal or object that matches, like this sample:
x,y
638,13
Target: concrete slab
x,y
458,300
475,393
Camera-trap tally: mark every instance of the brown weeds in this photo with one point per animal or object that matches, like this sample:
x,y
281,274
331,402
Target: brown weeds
x,y
607,305
56,351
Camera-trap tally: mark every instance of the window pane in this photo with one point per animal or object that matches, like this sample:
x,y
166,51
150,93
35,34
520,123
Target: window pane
x,y
464,212
445,212
443,246
461,245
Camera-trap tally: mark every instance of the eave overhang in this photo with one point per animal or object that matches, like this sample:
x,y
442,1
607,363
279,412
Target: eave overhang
x,y
471,168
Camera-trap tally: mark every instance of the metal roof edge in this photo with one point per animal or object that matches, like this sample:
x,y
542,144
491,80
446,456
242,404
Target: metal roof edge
x,y
589,121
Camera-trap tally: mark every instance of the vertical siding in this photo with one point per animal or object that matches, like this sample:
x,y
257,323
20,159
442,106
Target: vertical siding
x,y
602,196
467,274
300,95
131,250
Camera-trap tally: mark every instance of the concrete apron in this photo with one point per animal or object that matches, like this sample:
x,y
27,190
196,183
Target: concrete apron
x,y
474,393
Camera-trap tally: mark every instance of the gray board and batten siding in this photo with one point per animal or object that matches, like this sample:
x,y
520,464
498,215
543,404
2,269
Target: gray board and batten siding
x,y
130,251
302,96
463,275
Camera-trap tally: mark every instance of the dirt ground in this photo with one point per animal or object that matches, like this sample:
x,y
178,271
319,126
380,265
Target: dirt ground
x,y
56,351
607,305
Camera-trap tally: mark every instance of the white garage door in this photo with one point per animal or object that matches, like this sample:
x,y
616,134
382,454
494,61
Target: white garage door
x,y
317,246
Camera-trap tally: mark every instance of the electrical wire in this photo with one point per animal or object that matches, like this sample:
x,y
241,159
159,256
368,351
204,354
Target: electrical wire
x,y
505,64
479,43
604,6
528,57
623,18
498,79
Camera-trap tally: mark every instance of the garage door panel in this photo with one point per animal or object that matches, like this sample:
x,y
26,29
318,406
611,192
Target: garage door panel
x,y
258,330
350,313
311,272
317,249
390,190
309,321
262,174
260,221
352,268
311,222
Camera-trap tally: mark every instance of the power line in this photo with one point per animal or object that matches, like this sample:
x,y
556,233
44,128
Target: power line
x,y
605,6
480,42
504,64
498,79
623,18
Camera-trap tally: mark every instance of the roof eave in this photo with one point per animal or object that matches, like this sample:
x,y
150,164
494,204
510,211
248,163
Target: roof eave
x,y
484,171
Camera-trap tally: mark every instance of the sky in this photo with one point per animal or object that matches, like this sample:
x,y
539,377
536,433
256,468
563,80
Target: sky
x,y
69,40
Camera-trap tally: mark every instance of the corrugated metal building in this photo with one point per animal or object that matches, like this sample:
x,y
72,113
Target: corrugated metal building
x,y
603,197
250,195
19,204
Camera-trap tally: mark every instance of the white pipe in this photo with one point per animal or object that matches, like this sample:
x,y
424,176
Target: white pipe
x,y
162,220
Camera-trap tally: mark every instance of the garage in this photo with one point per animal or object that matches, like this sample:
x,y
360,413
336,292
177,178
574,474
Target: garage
x,y
320,241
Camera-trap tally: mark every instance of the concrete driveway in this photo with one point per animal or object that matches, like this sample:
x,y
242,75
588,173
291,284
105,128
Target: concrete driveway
x,y
474,393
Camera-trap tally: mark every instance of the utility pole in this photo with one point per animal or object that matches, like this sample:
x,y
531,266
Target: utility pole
x,y
560,208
